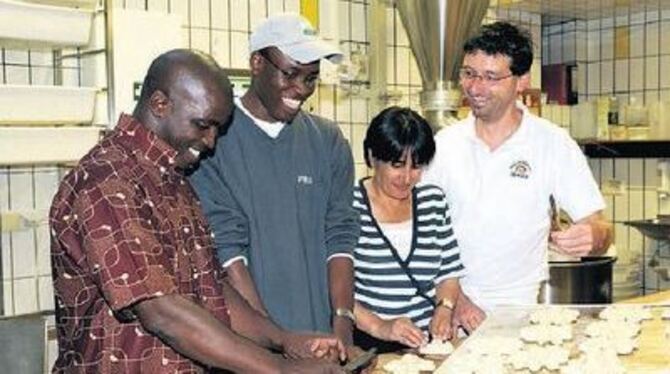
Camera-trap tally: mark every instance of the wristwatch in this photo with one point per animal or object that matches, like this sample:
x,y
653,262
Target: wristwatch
x,y
445,302
346,313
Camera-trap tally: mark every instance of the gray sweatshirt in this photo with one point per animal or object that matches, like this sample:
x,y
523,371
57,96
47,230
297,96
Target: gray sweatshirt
x,y
284,205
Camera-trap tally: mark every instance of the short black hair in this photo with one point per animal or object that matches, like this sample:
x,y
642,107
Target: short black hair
x,y
503,38
395,130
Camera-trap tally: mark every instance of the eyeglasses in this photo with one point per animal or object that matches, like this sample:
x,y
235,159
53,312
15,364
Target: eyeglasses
x,y
467,75
292,75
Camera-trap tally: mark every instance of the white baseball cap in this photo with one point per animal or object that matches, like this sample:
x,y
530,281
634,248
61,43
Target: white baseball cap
x,y
294,36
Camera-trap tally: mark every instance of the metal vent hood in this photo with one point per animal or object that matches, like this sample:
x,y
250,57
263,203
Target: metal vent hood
x,y
437,30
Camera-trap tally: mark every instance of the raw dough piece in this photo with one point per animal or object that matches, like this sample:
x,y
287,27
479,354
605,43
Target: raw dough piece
x,y
621,345
409,364
437,347
495,345
554,316
472,363
534,357
666,313
542,334
597,362
613,329
631,313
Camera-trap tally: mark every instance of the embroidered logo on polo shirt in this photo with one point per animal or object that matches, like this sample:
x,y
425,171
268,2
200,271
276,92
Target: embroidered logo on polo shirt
x,y
305,179
520,169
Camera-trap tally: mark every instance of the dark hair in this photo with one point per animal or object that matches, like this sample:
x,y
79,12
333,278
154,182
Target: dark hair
x,y
393,131
503,38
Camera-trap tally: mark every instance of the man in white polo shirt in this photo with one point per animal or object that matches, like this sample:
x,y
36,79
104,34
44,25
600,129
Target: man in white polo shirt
x,y
499,167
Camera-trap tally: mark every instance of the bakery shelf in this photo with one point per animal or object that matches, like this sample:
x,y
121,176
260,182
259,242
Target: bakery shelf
x,y
626,148
42,105
45,145
35,25
87,4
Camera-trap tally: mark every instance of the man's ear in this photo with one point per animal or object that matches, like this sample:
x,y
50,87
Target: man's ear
x,y
160,104
255,63
523,83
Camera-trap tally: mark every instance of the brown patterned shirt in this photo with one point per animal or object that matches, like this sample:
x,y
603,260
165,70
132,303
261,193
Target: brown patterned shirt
x,y
126,227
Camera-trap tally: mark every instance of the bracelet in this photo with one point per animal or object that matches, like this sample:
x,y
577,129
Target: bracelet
x,y
346,313
445,302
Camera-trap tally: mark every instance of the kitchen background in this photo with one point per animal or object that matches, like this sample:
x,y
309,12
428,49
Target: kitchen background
x,y
616,52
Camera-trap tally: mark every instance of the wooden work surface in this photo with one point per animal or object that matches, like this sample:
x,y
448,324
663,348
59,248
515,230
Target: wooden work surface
x,y
653,354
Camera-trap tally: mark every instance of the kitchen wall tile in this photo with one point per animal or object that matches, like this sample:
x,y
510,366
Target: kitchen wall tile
x,y
16,75
27,302
344,13
402,65
343,107
664,76
593,46
665,37
200,13
638,18
258,11
181,8
607,44
159,6
239,50
636,74
359,24
346,131
550,51
45,292
8,294
200,40
637,41
652,39
621,75
240,19
556,51
593,78
221,47
220,14
607,77
358,134
651,73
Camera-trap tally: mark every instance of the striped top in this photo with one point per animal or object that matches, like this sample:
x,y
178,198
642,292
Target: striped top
x,y
381,284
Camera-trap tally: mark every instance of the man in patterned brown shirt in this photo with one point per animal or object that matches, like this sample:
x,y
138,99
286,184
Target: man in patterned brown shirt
x,y
136,282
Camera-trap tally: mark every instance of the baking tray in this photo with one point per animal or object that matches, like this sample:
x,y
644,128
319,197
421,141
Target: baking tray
x,y
652,355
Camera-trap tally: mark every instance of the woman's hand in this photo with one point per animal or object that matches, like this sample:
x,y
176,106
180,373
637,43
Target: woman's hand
x,y
440,324
467,315
401,330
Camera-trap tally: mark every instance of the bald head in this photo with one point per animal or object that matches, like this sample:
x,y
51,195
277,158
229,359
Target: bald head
x,y
187,101
165,70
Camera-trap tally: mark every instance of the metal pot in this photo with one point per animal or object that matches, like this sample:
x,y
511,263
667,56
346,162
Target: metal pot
x,y
588,281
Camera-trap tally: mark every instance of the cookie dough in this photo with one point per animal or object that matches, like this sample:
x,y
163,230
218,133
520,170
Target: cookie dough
x,y
554,316
409,364
535,357
437,347
542,334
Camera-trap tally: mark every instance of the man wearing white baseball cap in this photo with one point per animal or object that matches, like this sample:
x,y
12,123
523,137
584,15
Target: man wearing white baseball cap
x,y
278,190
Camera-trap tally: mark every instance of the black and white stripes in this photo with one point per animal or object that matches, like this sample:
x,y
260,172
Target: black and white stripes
x,y
381,284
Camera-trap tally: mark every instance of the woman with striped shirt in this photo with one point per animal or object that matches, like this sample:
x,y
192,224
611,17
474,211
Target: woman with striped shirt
x,y
406,262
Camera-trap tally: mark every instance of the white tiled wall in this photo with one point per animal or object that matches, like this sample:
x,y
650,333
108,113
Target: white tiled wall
x,y
639,72
222,27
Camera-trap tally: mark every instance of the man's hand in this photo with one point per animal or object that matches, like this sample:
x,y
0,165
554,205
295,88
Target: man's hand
x,y
440,324
576,240
301,346
467,315
310,366
401,330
